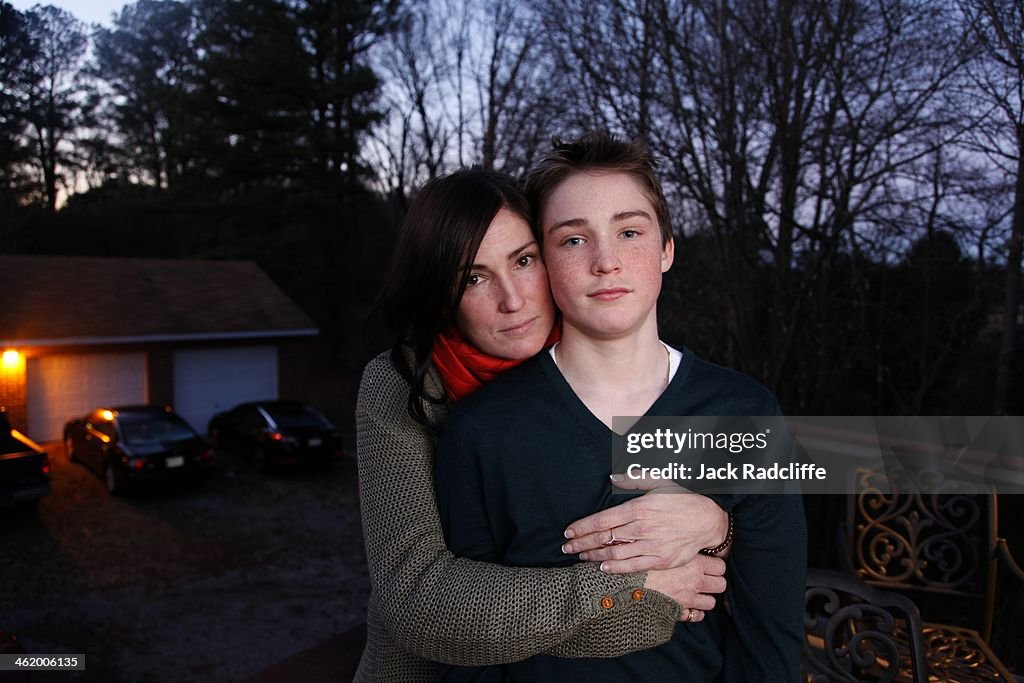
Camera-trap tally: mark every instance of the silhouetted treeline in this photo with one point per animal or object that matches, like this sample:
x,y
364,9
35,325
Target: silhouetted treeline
x,y
846,175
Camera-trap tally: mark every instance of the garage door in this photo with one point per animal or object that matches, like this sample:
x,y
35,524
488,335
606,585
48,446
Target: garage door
x,y
66,386
211,380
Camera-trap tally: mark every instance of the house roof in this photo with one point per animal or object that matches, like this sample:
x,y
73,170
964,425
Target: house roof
x,y
48,300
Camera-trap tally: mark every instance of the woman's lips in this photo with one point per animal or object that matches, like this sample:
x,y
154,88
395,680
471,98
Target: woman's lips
x,y
520,329
609,294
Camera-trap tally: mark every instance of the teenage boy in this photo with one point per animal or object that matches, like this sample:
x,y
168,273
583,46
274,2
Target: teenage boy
x,y
530,453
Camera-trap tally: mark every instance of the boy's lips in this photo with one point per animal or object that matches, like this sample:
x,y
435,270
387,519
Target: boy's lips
x,y
609,293
520,328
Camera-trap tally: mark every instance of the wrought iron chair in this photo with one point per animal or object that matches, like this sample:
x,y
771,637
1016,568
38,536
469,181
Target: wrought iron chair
x,y
854,633
925,539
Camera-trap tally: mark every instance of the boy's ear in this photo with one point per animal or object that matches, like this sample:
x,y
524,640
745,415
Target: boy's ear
x,y
668,254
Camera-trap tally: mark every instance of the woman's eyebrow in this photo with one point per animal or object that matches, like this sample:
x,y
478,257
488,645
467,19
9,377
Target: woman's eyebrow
x,y
515,252
511,255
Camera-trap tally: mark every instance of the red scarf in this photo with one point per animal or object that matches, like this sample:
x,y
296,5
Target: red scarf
x,y
465,368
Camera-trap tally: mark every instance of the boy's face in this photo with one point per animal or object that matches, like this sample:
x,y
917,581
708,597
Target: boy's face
x,y
603,251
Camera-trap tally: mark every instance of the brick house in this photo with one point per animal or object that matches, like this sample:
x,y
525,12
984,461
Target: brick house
x,y
77,333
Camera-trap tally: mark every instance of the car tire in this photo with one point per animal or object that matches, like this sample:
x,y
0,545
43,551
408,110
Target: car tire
x,y
69,448
112,480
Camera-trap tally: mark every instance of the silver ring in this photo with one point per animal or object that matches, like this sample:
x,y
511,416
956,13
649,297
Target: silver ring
x,y
617,541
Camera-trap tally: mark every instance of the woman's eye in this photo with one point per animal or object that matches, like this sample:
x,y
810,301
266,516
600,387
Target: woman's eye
x,y
525,260
473,279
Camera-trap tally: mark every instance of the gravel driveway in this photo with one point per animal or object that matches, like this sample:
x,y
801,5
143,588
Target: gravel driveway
x,y
206,582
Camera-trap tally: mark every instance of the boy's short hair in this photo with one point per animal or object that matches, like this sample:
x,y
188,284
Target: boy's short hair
x,y
597,151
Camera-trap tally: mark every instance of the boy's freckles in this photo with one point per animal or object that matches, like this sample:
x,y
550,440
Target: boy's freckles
x,y
603,249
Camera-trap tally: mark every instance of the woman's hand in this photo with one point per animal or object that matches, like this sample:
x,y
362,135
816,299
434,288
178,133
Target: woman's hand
x,y
691,585
654,531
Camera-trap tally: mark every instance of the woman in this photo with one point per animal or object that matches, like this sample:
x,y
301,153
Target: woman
x,y
467,298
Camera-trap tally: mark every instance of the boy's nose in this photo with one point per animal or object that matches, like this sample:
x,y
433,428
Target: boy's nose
x,y
606,260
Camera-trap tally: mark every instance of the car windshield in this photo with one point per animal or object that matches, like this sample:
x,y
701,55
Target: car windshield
x,y
292,415
8,444
141,429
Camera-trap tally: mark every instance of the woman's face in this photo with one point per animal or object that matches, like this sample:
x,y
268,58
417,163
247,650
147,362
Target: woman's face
x,y
506,310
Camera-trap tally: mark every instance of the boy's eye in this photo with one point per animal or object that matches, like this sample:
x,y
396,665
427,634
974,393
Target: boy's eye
x,y
630,234
573,242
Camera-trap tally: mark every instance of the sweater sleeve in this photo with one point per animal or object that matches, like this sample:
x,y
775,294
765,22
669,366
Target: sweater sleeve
x,y
463,612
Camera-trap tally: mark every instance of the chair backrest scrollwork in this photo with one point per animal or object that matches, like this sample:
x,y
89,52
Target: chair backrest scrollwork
x,y
918,532
856,633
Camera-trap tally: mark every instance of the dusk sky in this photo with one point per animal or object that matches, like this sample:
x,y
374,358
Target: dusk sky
x,y
89,11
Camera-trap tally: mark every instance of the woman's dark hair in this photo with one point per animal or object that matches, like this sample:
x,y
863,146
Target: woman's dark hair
x,y
442,231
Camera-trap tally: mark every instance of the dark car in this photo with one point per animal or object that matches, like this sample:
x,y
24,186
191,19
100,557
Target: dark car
x,y
133,444
276,433
24,468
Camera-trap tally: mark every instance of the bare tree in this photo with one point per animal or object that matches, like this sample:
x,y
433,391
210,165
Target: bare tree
x,y
501,63
998,73
468,83
783,125
414,143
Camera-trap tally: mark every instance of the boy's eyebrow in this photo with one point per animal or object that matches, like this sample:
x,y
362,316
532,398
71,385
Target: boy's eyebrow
x,y
571,223
635,213
620,216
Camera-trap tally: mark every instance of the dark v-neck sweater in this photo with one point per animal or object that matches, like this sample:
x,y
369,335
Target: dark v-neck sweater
x,y
524,457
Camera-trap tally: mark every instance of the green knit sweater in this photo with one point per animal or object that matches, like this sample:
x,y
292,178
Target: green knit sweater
x,y
426,604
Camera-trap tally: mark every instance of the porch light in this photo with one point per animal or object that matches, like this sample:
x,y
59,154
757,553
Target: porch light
x,y
11,360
